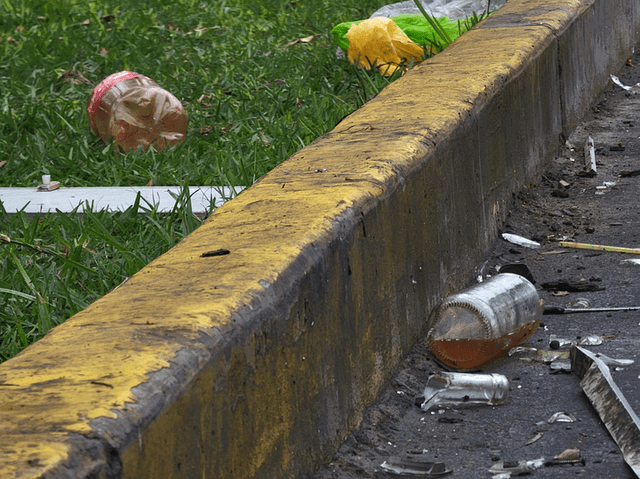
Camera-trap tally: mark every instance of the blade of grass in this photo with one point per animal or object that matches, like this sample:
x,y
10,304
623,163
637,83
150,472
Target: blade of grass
x,y
22,271
446,39
23,337
44,316
18,293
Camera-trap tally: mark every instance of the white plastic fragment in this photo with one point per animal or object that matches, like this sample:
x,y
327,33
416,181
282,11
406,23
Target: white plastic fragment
x,y
520,241
591,340
560,365
619,363
617,81
454,9
47,184
590,156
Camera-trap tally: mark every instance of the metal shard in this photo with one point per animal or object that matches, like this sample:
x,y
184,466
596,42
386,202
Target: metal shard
x,y
607,399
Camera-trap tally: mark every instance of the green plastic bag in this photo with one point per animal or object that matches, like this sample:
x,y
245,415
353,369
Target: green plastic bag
x,y
415,27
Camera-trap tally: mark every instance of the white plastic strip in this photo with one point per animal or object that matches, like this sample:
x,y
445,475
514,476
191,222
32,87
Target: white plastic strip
x,y
66,200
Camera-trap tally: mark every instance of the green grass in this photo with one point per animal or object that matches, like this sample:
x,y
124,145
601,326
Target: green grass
x,y
254,94
55,265
253,97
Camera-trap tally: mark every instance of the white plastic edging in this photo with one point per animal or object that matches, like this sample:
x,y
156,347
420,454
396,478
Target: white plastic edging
x,y
32,201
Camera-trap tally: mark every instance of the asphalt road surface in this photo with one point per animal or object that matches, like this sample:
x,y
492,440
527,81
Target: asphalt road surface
x,y
565,204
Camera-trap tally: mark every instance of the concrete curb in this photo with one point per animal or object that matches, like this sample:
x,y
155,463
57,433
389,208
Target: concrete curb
x,y
259,362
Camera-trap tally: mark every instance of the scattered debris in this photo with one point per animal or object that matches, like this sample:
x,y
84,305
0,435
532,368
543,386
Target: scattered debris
x,y
535,438
617,81
560,367
516,468
520,241
521,349
47,184
561,417
539,355
550,356
412,466
613,249
590,158
611,362
579,303
465,388
548,309
568,456
607,399
557,343
591,340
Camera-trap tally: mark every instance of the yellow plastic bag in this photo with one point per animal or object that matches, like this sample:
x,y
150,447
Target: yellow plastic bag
x,y
379,41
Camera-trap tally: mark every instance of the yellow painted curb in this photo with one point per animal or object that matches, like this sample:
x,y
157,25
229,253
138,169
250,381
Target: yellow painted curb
x,y
258,363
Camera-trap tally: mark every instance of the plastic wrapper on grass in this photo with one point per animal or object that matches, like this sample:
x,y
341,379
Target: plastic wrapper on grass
x,y
380,43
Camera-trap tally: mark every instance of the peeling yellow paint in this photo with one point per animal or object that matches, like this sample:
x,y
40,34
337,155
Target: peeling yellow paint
x,y
372,168
35,457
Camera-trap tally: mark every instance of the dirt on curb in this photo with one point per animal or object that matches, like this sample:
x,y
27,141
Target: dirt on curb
x,y
567,203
